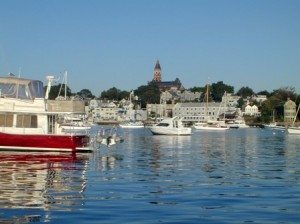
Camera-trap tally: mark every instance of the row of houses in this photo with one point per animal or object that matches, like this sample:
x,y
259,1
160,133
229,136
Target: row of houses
x,y
190,111
187,106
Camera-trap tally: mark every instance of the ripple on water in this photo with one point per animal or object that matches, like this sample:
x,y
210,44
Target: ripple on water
x,y
233,177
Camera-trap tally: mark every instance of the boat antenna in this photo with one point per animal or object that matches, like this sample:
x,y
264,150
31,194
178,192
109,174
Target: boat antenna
x,y
19,72
50,79
65,84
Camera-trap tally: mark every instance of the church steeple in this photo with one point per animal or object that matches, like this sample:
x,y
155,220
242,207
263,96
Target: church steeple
x,y
157,72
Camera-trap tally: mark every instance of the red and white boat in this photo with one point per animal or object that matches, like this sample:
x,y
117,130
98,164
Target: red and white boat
x,y
28,120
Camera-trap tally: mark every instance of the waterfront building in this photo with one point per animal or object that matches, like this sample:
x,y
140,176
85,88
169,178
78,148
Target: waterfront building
x,y
106,111
160,110
289,111
115,112
230,99
198,112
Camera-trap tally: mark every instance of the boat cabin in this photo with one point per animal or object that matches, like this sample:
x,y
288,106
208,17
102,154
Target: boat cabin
x,y
24,109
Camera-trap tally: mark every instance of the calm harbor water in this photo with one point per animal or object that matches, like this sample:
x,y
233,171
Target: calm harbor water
x,y
239,176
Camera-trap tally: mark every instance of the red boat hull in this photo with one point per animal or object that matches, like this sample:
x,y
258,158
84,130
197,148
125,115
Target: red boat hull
x,y
33,142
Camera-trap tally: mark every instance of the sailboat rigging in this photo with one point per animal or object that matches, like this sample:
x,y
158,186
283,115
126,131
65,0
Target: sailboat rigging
x,y
211,124
294,129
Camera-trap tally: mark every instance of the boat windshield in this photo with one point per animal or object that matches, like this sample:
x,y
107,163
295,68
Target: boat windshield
x,y
163,124
13,87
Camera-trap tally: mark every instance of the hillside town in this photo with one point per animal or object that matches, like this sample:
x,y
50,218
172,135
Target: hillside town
x,y
175,100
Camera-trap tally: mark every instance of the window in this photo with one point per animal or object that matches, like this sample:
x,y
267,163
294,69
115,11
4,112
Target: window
x,y
163,124
6,120
26,121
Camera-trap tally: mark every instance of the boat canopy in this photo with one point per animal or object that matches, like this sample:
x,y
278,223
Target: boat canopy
x,y
14,87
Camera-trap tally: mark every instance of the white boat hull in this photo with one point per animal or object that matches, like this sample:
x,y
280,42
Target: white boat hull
x,y
170,131
75,129
131,126
211,127
208,128
275,127
170,126
239,126
294,130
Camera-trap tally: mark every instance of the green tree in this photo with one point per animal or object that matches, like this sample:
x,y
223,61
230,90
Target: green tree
x,y
264,92
114,94
275,104
283,93
245,92
218,89
85,94
240,102
148,94
111,94
206,96
58,90
197,89
123,94
266,110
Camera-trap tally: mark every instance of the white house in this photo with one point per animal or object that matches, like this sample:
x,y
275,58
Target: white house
x,y
251,110
289,110
259,98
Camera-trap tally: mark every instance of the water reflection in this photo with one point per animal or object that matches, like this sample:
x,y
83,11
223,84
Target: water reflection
x,y
203,178
105,159
43,181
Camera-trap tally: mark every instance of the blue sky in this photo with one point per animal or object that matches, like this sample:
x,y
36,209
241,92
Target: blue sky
x,y
115,43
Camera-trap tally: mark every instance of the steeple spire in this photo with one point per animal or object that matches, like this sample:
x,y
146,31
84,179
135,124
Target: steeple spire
x,y
157,72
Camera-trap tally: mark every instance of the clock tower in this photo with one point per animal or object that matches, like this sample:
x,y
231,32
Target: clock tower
x,y
157,72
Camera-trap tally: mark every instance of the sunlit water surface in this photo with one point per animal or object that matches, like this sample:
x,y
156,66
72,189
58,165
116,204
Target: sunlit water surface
x,y
238,176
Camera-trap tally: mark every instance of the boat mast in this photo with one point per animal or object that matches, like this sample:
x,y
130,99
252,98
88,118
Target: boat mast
x,y
225,106
66,76
206,105
64,81
295,118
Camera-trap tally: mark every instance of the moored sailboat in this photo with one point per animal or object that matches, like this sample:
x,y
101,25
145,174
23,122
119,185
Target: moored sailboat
x,y
294,129
208,124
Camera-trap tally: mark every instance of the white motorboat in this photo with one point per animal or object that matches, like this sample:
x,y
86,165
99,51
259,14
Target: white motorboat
x,y
238,123
29,119
170,126
275,126
132,124
294,130
75,124
211,126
